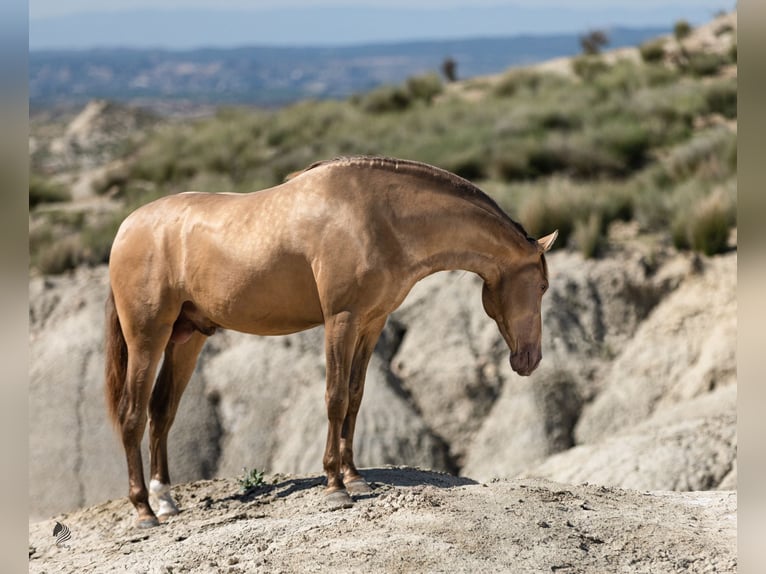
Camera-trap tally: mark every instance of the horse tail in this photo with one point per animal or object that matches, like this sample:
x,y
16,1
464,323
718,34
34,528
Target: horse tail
x,y
116,360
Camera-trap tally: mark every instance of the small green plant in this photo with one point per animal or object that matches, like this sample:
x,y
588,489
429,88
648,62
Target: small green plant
x,y
250,479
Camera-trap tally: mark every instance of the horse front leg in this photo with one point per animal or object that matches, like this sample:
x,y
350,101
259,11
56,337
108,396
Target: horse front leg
x,y
340,341
353,481
177,369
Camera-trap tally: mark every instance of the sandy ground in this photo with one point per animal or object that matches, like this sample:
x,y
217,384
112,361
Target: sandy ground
x,y
413,521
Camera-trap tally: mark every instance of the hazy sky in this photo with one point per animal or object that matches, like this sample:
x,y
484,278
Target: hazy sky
x,y
183,24
45,8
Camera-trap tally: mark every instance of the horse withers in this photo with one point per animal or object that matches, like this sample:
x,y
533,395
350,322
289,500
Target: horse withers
x,y
339,244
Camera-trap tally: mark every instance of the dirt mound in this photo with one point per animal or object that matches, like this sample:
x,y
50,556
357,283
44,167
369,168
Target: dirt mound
x,y
413,521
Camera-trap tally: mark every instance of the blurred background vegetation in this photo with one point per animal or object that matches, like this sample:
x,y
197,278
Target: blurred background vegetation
x,y
648,138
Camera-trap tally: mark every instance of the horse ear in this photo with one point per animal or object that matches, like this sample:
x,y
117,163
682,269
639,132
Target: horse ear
x,y
547,242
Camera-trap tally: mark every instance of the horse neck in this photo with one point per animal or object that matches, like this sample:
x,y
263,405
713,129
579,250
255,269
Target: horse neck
x,y
469,239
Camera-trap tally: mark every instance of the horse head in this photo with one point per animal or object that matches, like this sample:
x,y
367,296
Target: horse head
x,y
514,302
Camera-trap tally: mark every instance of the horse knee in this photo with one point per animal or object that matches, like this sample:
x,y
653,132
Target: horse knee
x,y
337,405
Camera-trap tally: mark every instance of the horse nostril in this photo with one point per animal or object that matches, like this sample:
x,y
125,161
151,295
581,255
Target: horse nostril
x,y
525,362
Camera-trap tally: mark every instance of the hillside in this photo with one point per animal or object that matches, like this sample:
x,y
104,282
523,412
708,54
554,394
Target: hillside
x,y
172,81
650,139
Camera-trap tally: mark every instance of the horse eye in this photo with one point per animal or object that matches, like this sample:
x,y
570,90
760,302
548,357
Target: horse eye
x,y
544,287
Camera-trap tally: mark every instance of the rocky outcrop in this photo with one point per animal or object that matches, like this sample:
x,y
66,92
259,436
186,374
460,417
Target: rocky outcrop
x,y
638,372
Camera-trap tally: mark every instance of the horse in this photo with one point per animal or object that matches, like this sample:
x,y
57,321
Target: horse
x,y
338,244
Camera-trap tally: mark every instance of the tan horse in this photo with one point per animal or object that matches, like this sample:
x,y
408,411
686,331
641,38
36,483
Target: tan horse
x,y
339,244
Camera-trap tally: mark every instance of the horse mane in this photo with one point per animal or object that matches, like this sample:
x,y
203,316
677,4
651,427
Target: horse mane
x,y
456,184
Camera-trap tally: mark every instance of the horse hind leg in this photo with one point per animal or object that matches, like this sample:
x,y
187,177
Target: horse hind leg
x,y
175,373
143,359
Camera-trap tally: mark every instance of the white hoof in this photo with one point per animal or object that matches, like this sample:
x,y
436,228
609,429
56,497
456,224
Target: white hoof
x,y
161,492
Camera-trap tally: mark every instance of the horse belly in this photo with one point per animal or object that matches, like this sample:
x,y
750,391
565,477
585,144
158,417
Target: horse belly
x,y
278,300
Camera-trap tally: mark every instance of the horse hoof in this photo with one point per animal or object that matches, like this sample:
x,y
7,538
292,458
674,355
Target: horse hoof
x,y
338,499
147,522
358,486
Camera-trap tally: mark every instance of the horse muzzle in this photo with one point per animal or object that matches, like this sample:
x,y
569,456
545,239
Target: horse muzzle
x,y
525,361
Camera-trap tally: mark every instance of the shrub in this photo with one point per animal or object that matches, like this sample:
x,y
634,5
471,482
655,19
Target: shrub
x,y
622,77
43,190
424,88
569,206
588,235
703,64
707,152
653,51
592,42
59,256
544,211
721,98
589,67
681,30
659,74
513,82
705,226
449,69
470,164
386,99
511,165
96,242
627,140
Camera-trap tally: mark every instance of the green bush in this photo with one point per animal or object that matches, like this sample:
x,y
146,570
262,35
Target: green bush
x,y
424,88
588,236
386,99
97,239
589,67
681,29
652,51
657,74
705,226
44,190
516,81
702,64
544,211
626,139
708,154
721,98
59,255
567,206
592,42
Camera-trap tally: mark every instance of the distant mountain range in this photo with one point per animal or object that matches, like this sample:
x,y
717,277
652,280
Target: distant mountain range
x,y
273,76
